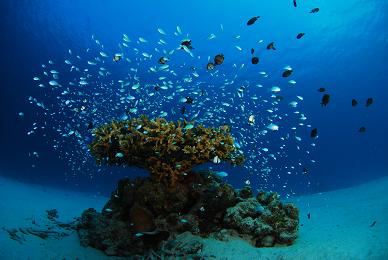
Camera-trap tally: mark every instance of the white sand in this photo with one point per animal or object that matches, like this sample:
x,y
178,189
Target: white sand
x,y
339,227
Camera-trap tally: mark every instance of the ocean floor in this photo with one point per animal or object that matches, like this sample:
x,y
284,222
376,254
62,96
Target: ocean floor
x,y
345,224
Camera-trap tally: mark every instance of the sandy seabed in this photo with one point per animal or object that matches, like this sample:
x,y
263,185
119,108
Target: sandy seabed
x,y
339,227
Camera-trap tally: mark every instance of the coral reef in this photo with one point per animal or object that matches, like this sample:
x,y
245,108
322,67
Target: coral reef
x,y
265,219
168,150
145,215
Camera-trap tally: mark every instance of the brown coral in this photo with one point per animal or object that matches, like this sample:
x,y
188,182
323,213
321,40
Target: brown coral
x,y
167,149
142,219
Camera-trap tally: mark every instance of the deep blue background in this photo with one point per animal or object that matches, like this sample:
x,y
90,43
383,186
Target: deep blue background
x,y
344,50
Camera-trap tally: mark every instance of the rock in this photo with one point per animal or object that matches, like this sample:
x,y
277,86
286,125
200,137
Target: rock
x,y
292,211
286,238
267,241
245,192
52,214
262,229
147,214
236,214
224,235
220,199
142,219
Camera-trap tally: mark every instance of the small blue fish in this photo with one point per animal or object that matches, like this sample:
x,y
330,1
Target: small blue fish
x,y
260,209
222,174
119,155
189,126
124,117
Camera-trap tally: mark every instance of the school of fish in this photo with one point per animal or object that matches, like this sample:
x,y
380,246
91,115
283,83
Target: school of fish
x,y
166,78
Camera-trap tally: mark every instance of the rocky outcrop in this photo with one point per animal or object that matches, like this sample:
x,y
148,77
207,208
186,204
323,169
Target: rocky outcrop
x,y
143,214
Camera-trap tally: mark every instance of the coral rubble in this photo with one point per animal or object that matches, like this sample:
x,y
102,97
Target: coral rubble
x,y
145,215
167,149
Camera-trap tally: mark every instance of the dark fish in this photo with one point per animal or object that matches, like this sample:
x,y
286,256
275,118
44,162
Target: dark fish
x,y
325,99
252,51
189,100
156,87
183,110
300,35
321,89
314,133
163,60
253,20
286,73
187,43
294,3
305,170
271,46
308,215
202,92
315,10
369,102
373,224
210,66
255,60
219,59
354,102
90,125
362,129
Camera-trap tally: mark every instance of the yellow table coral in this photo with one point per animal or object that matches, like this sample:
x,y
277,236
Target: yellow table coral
x,y
167,149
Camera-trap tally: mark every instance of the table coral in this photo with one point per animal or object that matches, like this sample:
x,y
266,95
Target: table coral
x,y
168,150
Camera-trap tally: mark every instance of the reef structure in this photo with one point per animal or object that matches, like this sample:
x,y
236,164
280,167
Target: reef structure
x,y
142,215
146,215
168,150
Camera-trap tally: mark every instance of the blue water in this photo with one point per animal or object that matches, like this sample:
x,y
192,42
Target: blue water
x,y
344,50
